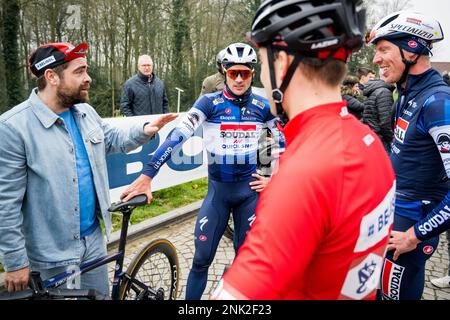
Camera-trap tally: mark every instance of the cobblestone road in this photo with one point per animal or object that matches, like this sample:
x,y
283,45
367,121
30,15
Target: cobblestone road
x,y
181,235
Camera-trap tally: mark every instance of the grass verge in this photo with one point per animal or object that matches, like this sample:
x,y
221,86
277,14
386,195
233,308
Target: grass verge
x,y
166,200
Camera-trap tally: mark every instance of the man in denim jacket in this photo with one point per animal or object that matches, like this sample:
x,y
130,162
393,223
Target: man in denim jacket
x,y
53,174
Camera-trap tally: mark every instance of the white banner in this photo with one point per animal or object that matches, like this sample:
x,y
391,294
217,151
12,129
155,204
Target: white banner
x,y
188,163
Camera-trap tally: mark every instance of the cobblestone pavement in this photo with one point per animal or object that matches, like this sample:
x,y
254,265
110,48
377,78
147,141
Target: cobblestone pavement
x,y
181,235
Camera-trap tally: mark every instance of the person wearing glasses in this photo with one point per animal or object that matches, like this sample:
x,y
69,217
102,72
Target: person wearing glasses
x,y
404,45
232,121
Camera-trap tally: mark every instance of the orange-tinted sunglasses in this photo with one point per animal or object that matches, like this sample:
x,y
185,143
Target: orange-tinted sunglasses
x,y
233,74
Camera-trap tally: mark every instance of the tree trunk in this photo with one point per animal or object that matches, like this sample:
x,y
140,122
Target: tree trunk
x,y
10,19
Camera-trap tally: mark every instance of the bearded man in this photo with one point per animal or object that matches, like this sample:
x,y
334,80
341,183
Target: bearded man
x,y
53,175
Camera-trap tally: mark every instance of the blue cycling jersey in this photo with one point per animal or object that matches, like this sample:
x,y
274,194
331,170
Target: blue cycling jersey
x,y
421,153
230,134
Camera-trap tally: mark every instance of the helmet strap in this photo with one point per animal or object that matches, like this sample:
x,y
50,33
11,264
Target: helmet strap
x,y
278,93
408,64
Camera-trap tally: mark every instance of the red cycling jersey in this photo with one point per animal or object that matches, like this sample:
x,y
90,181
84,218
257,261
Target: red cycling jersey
x,y
322,223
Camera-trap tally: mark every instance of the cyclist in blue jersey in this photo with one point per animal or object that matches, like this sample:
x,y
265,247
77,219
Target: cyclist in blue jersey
x,y
232,121
419,151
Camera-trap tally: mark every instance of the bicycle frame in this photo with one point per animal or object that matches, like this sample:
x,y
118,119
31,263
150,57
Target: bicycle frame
x,y
64,277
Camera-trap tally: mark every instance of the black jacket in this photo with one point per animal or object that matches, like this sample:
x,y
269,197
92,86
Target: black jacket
x,y
143,95
378,108
354,106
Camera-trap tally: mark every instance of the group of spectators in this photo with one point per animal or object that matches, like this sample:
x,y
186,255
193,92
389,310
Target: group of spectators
x,y
372,100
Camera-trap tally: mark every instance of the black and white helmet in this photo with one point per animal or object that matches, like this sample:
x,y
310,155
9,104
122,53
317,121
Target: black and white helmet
x,y
403,23
421,30
240,53
219,59
323,29
309,26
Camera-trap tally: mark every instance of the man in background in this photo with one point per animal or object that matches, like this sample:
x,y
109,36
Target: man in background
x,y
144,93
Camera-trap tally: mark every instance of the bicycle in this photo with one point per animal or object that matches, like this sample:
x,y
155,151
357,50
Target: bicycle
x,y
139,282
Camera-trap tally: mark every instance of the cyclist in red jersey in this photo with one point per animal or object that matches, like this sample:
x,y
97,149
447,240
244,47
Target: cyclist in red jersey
x,y
323,221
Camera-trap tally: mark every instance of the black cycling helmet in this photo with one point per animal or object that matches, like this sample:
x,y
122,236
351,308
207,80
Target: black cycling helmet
x,y
324,29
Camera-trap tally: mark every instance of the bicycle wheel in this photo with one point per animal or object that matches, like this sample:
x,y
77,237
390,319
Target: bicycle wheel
x,y
156,267
229,231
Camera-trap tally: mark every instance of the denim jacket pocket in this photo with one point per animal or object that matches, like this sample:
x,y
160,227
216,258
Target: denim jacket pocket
x,y
97,147
96,136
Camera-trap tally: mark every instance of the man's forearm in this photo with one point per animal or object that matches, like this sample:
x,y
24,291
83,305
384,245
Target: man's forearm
x,y
434,223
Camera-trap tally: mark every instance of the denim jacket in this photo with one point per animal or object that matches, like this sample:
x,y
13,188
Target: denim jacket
x,y
39,203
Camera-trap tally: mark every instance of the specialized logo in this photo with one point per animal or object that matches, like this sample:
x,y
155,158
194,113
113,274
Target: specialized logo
x,y
251,219
362,279
245,111
410,29
443,141
392,280
400,130
412,104
43,63
428,250
202,222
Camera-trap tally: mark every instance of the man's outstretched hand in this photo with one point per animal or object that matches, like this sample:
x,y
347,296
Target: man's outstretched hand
x,y
156,125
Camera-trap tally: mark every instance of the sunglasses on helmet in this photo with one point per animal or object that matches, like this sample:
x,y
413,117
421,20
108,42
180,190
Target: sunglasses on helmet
x,y
233,74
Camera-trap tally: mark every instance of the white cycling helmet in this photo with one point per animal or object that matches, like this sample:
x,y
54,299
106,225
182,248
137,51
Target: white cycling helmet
x,y
240,53
404,23
413,32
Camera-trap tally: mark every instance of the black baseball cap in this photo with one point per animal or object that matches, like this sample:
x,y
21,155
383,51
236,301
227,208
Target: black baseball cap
x,y
51,55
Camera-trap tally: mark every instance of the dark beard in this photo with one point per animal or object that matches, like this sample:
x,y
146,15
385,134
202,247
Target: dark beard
x,y
69,99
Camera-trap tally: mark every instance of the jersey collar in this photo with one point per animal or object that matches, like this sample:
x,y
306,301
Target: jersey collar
x,y
309,117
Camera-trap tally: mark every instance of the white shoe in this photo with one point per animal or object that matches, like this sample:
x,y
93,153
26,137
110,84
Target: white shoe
x,y
443,282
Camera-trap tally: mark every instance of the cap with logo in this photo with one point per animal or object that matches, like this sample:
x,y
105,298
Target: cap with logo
x,y
51,55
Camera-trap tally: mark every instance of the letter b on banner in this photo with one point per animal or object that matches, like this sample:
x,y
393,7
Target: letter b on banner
x,y
120,164
117,164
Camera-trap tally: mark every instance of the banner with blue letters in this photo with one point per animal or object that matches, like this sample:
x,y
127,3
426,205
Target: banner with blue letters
x,y
189,162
